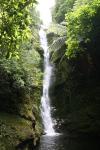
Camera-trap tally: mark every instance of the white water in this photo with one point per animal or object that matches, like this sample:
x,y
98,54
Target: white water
x,y
46,17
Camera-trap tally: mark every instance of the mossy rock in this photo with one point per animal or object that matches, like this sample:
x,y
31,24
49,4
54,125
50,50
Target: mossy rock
x,y
57,29
15,130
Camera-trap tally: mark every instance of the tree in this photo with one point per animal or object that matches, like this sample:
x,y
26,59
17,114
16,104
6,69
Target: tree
x,y
15,23
61,8
83,28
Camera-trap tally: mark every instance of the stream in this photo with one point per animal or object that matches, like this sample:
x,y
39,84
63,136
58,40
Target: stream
x,y
62,142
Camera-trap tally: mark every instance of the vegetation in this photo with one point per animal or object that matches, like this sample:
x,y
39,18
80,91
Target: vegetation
x,y
18,43
20,72
84,37
18,39
73,39
61,8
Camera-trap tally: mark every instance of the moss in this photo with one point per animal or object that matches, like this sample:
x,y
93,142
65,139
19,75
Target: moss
x,y
14,130
18,128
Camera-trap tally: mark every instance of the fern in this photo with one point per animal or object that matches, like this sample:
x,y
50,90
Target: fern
x,y
57,44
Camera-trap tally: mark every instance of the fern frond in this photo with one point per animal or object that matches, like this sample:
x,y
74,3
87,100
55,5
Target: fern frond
x,y
57,44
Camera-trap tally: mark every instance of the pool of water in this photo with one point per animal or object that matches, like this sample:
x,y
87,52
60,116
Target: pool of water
x,y
62,142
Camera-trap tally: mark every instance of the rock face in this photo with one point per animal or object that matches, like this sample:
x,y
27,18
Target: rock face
x,y
75,94
14,131
20,123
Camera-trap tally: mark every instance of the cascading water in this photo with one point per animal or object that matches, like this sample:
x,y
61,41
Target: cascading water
x,y
45,15
45,100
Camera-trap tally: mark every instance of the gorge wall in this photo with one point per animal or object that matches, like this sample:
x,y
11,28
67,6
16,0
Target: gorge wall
x,y
75,91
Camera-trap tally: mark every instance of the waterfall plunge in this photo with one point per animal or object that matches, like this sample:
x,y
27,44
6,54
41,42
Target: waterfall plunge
x,y
45,15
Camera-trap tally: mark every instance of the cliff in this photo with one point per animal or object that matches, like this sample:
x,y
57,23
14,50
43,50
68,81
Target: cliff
x,y
75,90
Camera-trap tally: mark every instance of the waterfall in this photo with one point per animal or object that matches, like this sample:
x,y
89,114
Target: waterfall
x,y
46,17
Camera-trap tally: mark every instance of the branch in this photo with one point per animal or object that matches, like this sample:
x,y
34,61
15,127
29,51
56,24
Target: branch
x,y
28,2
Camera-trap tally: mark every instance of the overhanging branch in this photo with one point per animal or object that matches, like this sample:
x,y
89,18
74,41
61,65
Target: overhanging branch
x,y
28,2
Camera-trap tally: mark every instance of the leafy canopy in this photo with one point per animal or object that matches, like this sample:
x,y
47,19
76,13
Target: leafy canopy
x,y
14,25
83,27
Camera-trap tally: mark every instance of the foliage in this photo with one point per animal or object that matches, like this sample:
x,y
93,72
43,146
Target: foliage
x,y
14,25
83,28
61,8
57,29
18,41
58,43
20,72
